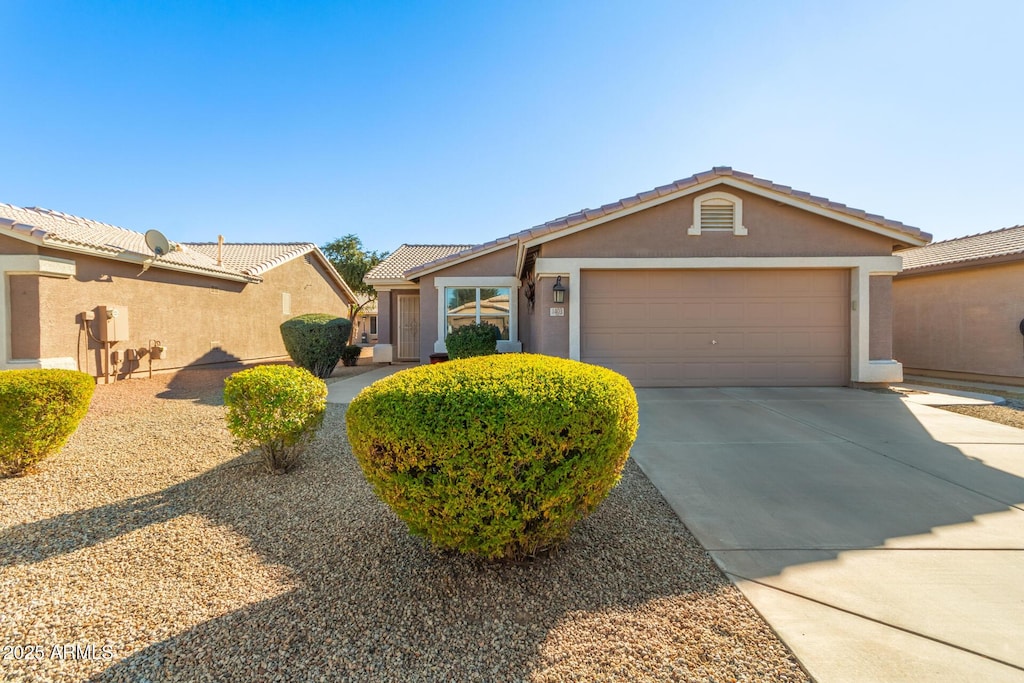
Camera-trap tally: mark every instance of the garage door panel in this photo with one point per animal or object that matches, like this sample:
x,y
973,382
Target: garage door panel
x,y
695,313
663,342
770,327
762,343
762,312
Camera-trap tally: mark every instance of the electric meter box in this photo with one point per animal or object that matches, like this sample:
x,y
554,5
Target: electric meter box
x,y
113,323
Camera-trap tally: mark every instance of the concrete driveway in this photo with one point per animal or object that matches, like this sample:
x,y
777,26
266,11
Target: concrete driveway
x,y
883,540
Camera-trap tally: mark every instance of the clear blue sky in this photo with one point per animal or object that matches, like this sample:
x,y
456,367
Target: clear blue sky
x,y
461,122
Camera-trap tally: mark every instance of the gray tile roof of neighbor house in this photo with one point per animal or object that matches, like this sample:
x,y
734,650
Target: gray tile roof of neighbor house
x,y
410,256
252,259
244,262
585,215
966,250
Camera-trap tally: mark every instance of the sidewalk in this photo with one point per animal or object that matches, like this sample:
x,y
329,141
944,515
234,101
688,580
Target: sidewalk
x,y
940,396
344,390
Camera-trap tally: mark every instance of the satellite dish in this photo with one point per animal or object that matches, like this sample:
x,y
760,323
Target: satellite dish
x,y
156,241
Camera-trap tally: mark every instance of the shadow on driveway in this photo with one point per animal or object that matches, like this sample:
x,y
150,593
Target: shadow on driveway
x,y
896,514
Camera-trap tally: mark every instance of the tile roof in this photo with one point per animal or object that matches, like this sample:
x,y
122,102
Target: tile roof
x,y
584,215
245,262
410,256
986,245
252,259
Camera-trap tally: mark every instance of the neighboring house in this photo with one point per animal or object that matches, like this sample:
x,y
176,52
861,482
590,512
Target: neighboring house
x,y
365,323
63,277
719,279
959,307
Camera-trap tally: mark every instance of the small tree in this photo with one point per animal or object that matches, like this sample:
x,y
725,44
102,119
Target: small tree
x,y
353,262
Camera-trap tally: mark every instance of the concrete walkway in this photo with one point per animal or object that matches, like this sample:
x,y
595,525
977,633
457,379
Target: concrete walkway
x,y
882,539
931,396
346,389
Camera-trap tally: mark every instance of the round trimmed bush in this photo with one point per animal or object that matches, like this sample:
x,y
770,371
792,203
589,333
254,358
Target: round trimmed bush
x,y
39,411
350,355
316,341
275,410
476,339
496,456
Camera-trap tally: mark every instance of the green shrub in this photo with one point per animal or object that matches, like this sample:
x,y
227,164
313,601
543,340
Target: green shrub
x,y
275,410
350,355
39,411
478,339
497,456
315,341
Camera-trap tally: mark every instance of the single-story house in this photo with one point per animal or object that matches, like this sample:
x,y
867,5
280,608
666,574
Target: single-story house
x,y
715,280
959,308
78,293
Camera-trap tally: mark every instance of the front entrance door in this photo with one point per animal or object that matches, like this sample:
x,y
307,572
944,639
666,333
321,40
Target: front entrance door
x,y
409,327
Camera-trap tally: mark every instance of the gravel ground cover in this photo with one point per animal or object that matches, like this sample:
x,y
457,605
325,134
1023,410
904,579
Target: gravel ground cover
x,y
149,550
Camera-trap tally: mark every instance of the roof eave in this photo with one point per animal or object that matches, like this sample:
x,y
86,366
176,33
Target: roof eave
x,y
124,256
461,257
388,282
552,233
962,264
331,271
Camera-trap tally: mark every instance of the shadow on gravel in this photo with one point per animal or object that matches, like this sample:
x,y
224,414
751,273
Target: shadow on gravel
x,y
375,604
192,383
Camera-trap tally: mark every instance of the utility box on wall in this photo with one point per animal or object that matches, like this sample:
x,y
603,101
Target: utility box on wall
x,y
113,323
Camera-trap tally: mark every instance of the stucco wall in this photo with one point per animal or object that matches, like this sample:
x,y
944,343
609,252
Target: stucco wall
x,y
964,320
200,319
551,333
498,263
774,230
880,332
23,291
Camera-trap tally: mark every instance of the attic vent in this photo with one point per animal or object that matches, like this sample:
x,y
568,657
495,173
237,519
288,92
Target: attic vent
x,y
717,212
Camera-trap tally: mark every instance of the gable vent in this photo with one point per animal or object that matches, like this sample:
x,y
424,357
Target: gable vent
x,y
717,214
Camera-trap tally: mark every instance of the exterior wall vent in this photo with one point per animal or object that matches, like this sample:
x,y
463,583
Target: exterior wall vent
x,y
717,212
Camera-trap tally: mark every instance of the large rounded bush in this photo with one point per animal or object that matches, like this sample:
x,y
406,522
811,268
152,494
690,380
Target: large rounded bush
x,y
476,339
39,411
275,410
495,456
315,341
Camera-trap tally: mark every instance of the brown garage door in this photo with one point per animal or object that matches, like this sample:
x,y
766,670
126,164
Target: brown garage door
x,y
719,327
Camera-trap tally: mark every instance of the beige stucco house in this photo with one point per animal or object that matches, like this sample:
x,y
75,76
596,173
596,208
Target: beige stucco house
x,y
78,293
959,308
715,280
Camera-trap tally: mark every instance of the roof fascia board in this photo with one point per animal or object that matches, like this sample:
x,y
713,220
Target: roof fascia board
x,y
404,286
823,211
739,184
329,267
390,282
468,257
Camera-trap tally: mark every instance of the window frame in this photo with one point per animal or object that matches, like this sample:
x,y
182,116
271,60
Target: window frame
x,y
448,315
442,284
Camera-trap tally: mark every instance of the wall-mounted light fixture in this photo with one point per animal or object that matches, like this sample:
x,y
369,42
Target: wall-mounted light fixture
x,y
558,291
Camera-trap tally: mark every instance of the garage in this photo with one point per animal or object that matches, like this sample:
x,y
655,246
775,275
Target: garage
x,y
719,327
